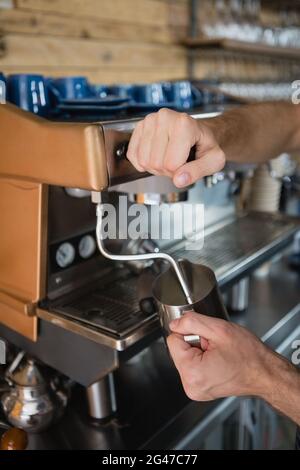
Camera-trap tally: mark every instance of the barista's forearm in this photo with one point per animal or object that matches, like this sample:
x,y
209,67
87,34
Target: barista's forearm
x,y
258,132
282,387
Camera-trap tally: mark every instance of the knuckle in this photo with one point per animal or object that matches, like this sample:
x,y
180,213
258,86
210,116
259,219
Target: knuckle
x,y
129,154
183,120
143,164
132,156
192,394
184,116
138,127
138,165
141,158
150,119
163,113
156,166
191,386
225,329
170,165
188,321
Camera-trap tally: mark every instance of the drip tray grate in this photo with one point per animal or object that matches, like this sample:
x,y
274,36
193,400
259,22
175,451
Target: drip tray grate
x,y
241,243
114,308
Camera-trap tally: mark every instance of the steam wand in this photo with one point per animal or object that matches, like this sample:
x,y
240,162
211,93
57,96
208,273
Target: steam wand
x,y
138,257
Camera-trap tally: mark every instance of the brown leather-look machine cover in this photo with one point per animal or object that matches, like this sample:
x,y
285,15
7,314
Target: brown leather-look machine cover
x,y
35,153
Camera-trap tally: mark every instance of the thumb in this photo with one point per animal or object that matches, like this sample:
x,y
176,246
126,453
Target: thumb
x,y
209,163
192,323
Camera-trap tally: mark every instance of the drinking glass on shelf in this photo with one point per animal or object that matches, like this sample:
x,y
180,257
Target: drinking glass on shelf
x,y
235,29
269,36
221,18
254,12
209,12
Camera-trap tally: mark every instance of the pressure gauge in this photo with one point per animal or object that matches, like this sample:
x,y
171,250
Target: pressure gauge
x,y
65,255
87,246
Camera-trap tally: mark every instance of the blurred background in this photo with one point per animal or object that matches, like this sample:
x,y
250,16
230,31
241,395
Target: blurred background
x,y
194,55
150,40
107,41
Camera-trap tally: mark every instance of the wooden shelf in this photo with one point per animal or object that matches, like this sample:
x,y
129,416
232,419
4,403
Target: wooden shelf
x,y
241,46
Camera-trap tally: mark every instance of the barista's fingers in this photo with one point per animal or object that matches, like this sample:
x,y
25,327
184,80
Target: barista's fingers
x,y
133,147
202,343
145,142
183,136
208,164
176,155
181,352
159,146
195,324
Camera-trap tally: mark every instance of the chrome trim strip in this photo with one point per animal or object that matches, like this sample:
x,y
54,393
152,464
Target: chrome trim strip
x,y
228,405
127,125
93,334
287,342
281,323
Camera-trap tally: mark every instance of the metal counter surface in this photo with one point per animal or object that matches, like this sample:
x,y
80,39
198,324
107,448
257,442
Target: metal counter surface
x,y
154,412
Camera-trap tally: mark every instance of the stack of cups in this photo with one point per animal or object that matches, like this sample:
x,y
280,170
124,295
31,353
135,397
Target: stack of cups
x,y
265,191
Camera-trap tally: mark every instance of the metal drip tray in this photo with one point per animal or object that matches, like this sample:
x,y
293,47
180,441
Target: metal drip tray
x,y
242,245
113,308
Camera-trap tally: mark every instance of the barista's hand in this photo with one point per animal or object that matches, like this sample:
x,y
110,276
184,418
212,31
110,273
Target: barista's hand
x,y
161,144
233,361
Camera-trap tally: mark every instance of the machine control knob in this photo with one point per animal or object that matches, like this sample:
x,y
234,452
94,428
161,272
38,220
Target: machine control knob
x,y
122,148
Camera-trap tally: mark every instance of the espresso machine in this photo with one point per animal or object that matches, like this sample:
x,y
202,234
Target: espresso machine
x,y
66,305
